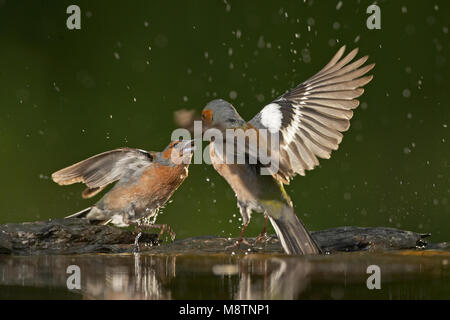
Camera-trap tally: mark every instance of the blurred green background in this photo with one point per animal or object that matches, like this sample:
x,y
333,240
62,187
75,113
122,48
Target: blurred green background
x,y
66,95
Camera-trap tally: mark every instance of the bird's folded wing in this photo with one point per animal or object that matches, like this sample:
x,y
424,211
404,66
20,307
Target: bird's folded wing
x,y
310,118
102,169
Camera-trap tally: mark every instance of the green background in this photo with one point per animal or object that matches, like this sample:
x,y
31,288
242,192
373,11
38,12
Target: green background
x,y
66,95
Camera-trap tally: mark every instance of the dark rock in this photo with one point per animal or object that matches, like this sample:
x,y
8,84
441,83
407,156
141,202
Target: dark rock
x,y
372,239
76,236
65,236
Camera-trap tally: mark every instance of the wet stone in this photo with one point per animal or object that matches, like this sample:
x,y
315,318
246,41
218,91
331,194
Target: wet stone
x,y
78,236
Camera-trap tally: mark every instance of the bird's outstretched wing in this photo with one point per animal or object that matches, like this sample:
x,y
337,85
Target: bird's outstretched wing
x,y
310,118
100,170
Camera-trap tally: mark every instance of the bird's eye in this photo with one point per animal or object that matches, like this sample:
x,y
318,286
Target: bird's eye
x,y
207,115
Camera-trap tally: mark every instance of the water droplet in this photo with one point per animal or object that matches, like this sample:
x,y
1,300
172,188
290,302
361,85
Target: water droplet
x,y
406,93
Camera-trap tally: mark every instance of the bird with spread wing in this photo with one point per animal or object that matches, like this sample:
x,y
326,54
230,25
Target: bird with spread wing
x,y
144,182
308,121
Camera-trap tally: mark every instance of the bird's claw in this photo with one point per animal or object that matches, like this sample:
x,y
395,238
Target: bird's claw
x,y
238,243
262,238
162,227
165,227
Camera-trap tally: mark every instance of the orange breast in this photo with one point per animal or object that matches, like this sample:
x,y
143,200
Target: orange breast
x,y
153,188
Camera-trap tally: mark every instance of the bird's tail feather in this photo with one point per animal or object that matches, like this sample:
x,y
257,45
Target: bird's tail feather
x,y
293,235
80,214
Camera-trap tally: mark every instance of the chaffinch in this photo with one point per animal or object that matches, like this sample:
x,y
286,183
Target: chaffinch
x,y
146,181
308,120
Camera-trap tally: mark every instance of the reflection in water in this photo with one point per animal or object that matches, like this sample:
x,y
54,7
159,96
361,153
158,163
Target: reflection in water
x,y
140,276
272,278
146,280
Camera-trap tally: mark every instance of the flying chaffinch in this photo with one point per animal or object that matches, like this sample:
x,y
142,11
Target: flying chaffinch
x,y
308,120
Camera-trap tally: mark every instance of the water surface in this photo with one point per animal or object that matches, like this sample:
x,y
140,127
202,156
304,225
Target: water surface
x,y
404,275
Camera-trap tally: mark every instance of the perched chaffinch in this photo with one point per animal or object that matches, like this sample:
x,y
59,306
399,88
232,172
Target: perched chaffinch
x,y
146,180
308,120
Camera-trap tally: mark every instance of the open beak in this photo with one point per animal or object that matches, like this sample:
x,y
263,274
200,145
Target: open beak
x,y
187,146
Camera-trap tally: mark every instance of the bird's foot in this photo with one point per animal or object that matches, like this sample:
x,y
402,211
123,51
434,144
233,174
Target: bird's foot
x,y
262,238
146,227
167,228
238,243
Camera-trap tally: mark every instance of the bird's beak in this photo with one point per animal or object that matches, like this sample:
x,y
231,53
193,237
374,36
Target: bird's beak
x,y
187,146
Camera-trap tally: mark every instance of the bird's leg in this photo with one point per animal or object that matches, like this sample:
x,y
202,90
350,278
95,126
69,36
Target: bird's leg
x,y
140,226
164,227
246,213
241,238
262,237
148,223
